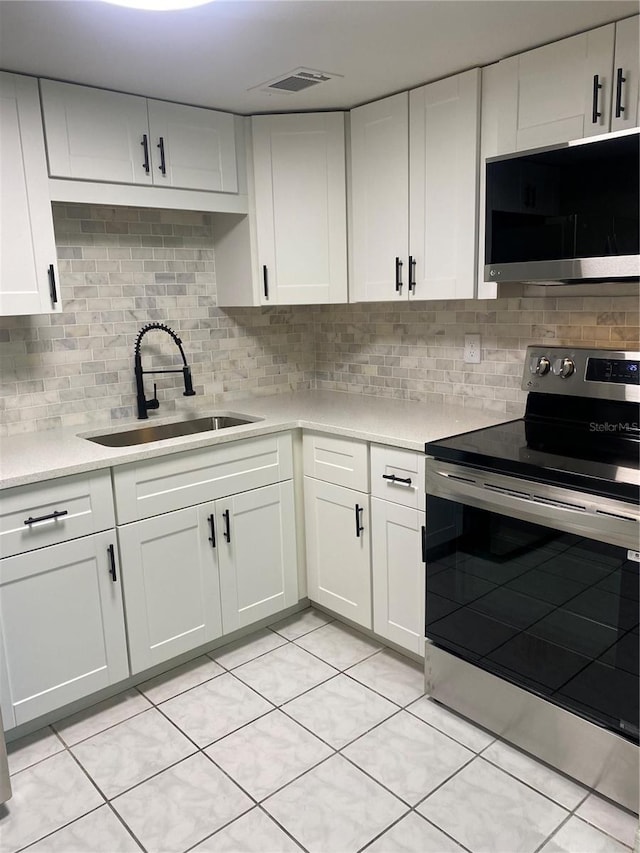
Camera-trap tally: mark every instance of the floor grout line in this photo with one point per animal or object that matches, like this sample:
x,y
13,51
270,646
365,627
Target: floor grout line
x,y
258,803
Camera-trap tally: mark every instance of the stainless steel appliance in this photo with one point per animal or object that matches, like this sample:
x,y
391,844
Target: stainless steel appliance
x,y
533,560
565,214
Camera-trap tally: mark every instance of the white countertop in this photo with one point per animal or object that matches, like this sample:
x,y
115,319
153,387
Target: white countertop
x,y
37,456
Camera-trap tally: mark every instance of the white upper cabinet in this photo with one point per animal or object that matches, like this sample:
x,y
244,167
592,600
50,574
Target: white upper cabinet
x,y
415,192
625,109
300,208
95,135
444,140
28,271
558,92
194,148
380,194
98,135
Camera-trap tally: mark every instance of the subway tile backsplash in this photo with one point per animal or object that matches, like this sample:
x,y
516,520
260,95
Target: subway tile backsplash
x,y
119,269
123,267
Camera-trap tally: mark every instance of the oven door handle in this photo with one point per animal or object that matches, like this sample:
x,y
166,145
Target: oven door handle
x,y
555,507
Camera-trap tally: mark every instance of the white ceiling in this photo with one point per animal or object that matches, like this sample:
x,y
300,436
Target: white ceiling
x,y
214,54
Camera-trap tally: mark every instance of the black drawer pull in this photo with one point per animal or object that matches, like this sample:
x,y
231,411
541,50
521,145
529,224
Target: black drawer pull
x,y
619,81
595,115
265,281
163,165
145,148
112,563
359,526
227,526
212,538
392,478
52,284
51,517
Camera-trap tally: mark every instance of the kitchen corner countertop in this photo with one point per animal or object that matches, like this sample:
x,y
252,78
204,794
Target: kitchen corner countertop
x,y
38,456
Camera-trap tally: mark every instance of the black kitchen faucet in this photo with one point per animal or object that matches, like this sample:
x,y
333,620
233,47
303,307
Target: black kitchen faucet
x,y
143,403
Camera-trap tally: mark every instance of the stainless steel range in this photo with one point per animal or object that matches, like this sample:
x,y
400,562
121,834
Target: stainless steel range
x,y
533,559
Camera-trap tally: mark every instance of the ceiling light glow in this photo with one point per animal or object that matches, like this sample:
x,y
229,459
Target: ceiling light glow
x,y
159,5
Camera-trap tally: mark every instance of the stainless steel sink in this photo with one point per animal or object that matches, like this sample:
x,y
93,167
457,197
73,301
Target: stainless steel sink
x,y
157,432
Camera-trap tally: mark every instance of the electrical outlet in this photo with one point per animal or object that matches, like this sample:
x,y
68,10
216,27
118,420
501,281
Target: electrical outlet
x,y
472,349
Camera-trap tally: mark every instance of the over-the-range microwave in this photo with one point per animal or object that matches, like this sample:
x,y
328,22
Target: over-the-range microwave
x,y
569,213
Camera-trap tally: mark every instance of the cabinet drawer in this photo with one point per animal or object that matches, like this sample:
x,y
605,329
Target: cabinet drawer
x,y
342,461
51,512
397,476
145,489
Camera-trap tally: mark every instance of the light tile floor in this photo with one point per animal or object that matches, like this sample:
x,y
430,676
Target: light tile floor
x,y
304,736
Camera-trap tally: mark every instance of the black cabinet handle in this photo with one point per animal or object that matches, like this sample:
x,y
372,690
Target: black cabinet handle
x,y
145,148
392,477
163,165
619,81
212,538
52,284
359,527
595,115
112,563
412,274
51,517
265,281
398,275
227,526
424,544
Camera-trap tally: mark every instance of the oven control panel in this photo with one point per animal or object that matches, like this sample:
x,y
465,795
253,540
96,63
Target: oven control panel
x,y
582,372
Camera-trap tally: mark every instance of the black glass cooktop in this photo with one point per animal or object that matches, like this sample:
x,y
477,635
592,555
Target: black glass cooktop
x,y
579,456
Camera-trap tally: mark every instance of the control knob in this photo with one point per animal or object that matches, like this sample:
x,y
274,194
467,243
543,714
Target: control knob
x,y
563,367
539,366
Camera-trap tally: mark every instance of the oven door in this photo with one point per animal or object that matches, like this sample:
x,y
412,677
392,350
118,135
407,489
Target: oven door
x,y
538,585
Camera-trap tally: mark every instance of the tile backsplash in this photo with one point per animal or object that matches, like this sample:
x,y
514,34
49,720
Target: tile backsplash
x,y
120,268
415,352
123,267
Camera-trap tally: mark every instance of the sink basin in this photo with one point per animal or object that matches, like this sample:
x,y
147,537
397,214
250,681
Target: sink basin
x,y
157,432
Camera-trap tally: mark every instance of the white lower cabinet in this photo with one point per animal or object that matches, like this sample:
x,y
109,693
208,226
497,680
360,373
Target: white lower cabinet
x,y
397,532
256,543
62,631
196,569
199,572
338,549
398,573
171,589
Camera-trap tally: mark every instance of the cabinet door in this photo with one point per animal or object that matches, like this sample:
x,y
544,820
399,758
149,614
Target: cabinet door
x,y
192,148
28,249
170,576
338,549
62,631
94,134
444,133
548,94
398,574
300,201
380,199
625,110
256,544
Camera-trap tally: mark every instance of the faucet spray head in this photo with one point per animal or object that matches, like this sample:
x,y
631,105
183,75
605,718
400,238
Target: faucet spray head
x,y
188,384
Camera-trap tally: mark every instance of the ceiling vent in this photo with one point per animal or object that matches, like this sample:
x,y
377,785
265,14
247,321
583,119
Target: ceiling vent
x,y
295,81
